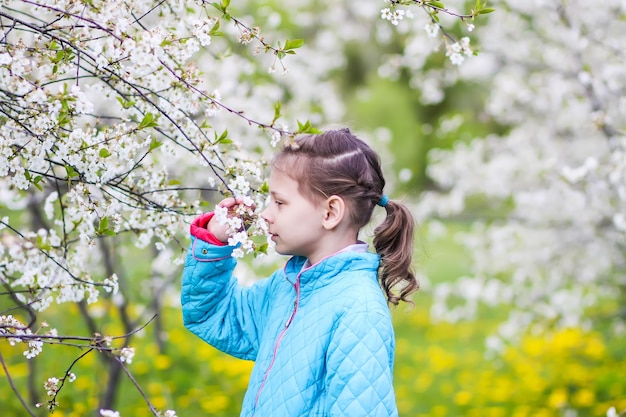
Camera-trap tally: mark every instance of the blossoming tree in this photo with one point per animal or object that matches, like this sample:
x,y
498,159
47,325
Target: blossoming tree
x,y
554,81
118,121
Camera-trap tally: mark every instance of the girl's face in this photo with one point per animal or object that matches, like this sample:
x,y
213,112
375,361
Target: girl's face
x,y
295,222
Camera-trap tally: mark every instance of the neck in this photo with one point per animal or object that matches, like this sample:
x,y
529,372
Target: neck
x,y
335,242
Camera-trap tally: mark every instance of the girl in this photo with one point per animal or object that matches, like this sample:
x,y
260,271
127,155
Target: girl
x,y
319,330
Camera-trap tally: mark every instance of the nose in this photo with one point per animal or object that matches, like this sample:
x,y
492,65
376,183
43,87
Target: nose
x,y
265,214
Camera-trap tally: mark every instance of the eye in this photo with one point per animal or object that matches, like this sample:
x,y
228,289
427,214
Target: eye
x,y
274,201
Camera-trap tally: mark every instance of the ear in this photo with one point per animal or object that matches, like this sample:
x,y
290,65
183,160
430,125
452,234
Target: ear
x,y
334,212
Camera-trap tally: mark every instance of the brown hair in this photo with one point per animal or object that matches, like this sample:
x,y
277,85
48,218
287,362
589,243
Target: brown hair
x,y
338,163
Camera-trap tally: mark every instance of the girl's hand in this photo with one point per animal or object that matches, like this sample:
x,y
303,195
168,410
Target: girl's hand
x,y
220,231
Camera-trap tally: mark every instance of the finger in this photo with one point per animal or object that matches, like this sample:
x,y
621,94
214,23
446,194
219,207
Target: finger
x,y
228,203
231,202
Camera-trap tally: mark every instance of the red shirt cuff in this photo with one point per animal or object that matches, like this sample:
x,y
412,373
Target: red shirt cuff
x,y
199,229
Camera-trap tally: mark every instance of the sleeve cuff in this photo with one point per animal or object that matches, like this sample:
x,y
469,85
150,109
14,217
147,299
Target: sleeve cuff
x,y
198,229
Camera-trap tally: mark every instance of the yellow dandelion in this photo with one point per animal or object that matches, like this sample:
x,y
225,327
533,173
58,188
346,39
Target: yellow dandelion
x,y
462,398
558,398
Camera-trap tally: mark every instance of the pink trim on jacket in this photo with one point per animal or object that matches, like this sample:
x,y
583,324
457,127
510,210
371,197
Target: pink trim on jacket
x,y
199,229
193,253
280,337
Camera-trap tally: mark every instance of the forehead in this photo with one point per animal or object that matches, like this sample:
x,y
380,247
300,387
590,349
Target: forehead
x,y
282,183
284,186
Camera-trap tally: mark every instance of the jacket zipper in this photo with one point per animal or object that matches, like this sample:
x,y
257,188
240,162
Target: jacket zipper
x,y
279,339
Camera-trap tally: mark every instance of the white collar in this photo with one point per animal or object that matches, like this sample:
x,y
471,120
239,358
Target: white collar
x,y
359,246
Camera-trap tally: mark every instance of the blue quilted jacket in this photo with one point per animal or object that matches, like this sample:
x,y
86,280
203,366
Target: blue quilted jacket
x,y
321,336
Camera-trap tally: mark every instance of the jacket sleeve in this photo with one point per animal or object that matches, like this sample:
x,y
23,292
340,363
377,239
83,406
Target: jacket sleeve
x,y
360,366
215,307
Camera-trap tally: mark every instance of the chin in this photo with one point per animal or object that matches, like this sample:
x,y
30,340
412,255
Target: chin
x,y
284,251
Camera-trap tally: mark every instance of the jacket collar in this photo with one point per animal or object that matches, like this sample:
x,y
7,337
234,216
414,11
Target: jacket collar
x,y
322,273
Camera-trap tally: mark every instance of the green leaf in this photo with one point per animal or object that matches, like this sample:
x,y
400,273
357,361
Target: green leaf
x,y
437,4
173,182
306,127
263,248
41,245
103,227
154,144
148,121
223,138
222,7
71,172
104,152
37,181
125,103
293,44
265,188
486,10
215,30
277,108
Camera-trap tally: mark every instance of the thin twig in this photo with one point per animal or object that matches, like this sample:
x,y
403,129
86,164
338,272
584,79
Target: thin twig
x,y
134,381
14,388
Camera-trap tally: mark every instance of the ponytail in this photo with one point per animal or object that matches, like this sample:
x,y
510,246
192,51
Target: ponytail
x,y
393,241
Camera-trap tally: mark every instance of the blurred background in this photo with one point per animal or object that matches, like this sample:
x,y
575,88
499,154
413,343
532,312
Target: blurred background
x,y
513,163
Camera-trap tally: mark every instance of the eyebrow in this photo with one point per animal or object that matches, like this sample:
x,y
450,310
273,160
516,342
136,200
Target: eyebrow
x,y
278,195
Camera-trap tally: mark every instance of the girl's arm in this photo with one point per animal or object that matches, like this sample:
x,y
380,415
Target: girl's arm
x,y
215,307
360,366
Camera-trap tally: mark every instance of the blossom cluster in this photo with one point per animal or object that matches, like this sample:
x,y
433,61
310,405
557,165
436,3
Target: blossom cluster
x,y
16,332
127,354
99,137
394,16
456,49
243,224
